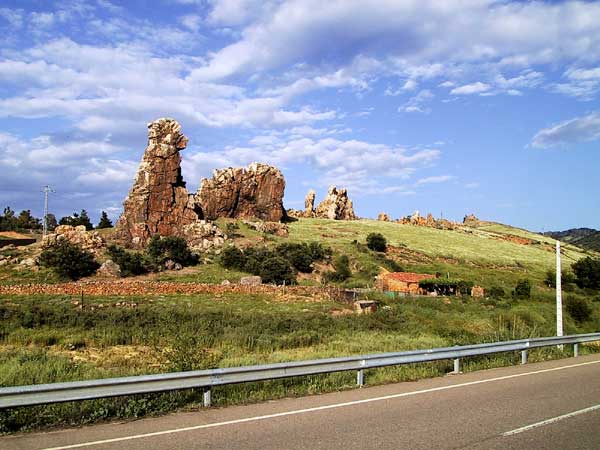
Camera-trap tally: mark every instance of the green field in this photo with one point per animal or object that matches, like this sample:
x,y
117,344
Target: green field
x,y
58,338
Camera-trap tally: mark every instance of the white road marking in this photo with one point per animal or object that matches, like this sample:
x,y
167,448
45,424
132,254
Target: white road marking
x,y
317,408
549,421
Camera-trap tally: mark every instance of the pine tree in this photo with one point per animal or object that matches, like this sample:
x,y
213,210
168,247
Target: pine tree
x,y
105,222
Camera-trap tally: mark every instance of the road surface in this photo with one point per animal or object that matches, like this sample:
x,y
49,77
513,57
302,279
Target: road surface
x,y
550,405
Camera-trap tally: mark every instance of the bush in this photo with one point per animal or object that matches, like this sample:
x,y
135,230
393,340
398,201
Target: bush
x,y
232,258
522,289
578,308
587,273
255,256
298,255
161,249
342,271
496,292
277,270
130,263
376,242
68,260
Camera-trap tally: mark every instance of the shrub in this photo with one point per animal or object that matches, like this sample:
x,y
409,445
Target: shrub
x,y
496,292
376,242
68,260
578,308
255,256
522,289
232,258
130,263
297,254
587,273
277,270
161,249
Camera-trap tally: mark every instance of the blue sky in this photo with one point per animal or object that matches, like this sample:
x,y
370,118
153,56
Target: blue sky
x,y
485,107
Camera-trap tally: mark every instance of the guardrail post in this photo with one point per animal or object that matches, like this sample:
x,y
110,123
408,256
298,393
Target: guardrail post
x,y
206,398
360,375
456,365
575,350
523,356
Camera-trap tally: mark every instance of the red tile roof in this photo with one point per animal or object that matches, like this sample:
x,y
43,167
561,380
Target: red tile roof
x,y
409,277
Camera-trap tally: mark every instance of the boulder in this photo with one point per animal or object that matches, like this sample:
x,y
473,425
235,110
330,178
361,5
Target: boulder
x,y
336,206
28,262
202,235
471,220
244,193
109,269
383,217
158,202
252,280
276,228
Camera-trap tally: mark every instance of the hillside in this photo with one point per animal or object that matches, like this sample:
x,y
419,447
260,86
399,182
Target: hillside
x,y
587,238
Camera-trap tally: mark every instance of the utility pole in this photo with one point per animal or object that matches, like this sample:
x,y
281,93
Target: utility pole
x,y
559,319
47,190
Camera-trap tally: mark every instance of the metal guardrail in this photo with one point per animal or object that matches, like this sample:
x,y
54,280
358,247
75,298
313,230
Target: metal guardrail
x,y
111,387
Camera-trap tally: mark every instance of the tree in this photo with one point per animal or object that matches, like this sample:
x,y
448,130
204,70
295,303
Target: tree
x,y
51,222
26,221
376,242
8,221
587,273
68,260
78,219
105,222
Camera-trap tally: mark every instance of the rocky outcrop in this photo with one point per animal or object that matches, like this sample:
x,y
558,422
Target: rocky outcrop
x,y
158,202
309,203
109,269
202,235
276,228
471,220
87,240
336,206
383,217
255,192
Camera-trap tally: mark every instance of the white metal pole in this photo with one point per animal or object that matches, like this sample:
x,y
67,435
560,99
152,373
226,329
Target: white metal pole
x,y
559,318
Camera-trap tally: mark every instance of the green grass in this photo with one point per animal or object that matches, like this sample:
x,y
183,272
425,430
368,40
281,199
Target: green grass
x,y
46,339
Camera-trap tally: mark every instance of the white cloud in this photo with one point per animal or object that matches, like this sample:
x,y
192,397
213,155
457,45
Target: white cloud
x,y
417,103
468,89
191,21
569,132
435,179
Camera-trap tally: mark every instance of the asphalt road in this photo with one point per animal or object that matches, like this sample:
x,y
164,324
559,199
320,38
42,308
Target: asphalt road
x,y
551,405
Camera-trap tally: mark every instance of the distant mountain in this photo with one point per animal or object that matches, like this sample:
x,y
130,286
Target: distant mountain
x,y
582,237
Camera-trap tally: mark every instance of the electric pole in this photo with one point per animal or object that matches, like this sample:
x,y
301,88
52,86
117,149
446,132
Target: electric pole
x,y
559,319
47,190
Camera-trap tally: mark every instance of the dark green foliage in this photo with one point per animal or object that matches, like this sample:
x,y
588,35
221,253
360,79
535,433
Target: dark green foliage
x,y
255,257
131,263
161,249
496,292
232,258
566,277
25,221
277,270
578,308
376,242
464,287
522,289
297,254
69,260
77,219
587,273
105,222
51,222
342,271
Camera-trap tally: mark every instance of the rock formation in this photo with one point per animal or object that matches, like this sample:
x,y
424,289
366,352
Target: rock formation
x,y
336,205
309,203
158,202
87,240
471,220
383,217
202,235
255,192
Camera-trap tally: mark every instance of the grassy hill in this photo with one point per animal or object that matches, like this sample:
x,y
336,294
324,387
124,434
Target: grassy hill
x,y
51,338
587,238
